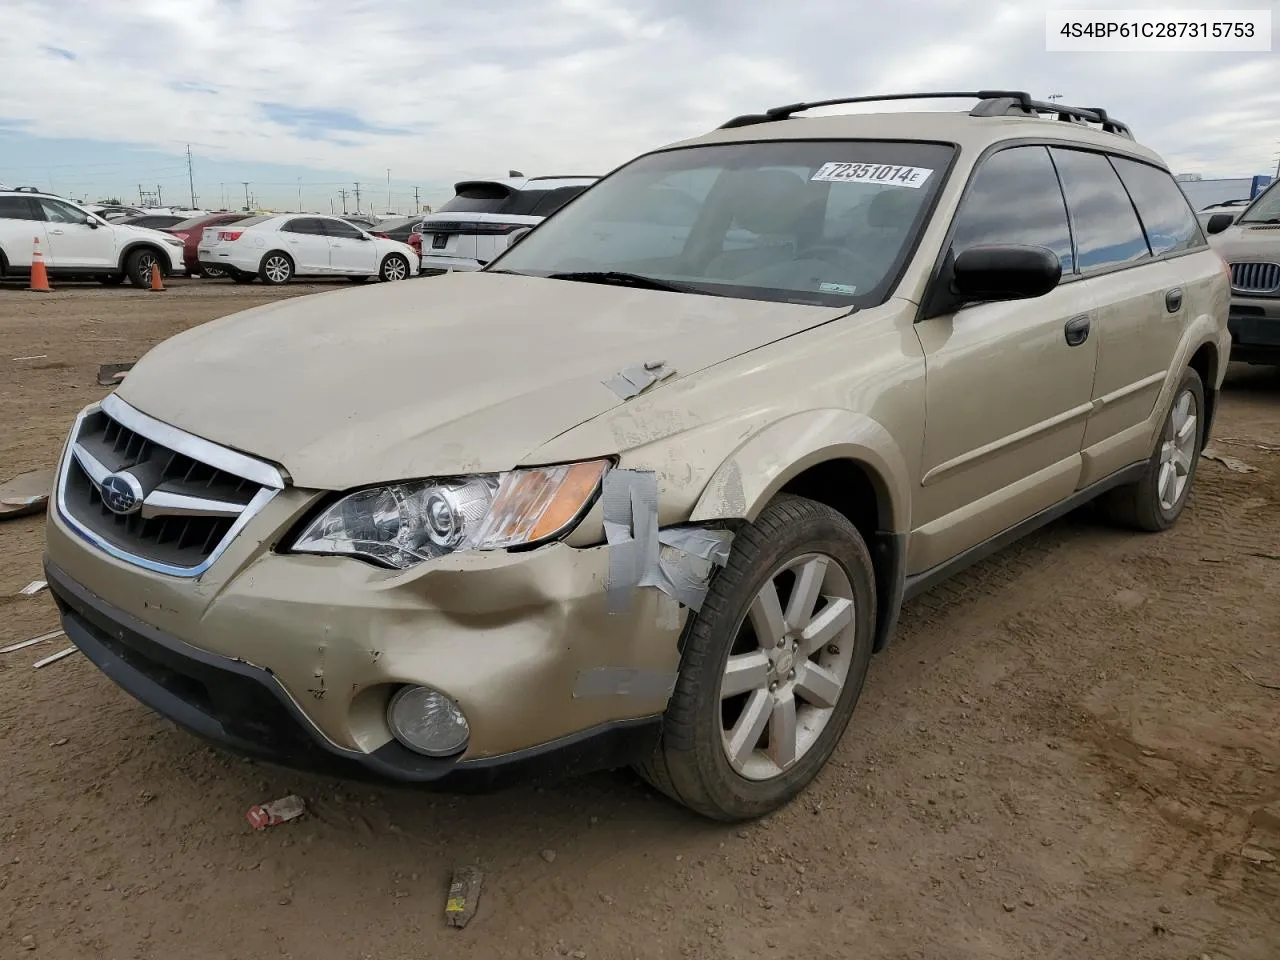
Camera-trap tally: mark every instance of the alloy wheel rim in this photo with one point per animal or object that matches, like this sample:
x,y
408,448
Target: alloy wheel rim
x,y
396,269
1177,450
145,262
277,269
787,666
215,271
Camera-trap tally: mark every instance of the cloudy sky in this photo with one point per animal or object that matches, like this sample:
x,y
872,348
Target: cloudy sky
x,y
104,94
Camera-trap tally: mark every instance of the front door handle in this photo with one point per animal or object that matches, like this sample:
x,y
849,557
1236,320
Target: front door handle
x,y
1173,300
57,233
1077,330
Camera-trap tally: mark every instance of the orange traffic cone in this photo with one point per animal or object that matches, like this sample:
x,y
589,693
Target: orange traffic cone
x,y
157,284
39,275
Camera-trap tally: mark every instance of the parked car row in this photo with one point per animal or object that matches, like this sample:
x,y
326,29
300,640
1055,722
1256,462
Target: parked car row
x,y
650,485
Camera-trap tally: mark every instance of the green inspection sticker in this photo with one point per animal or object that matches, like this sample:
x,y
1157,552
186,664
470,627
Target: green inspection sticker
x,y
844,288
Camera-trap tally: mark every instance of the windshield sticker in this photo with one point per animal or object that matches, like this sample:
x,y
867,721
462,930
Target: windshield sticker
x,y
887,173
845,288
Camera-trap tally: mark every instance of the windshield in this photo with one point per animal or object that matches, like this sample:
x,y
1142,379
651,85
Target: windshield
x,y
824,222
1266,209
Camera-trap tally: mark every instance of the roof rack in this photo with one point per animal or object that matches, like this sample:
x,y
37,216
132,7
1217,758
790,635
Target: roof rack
x,y
991,103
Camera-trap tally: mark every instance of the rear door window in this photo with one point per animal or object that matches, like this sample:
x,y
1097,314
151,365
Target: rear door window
x,y
1106,228
340,228
1167,218
1015,198
17,208
307,225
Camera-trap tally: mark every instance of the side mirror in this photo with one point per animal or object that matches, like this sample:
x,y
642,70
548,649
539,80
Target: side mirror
x,y
1005,272
1219,222
93,224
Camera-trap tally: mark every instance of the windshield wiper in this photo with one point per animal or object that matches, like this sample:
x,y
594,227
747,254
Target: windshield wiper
x,y
620,278
1268,220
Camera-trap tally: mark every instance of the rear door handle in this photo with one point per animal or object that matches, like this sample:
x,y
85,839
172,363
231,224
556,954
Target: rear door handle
x,y
1077,330
1173,300
57,232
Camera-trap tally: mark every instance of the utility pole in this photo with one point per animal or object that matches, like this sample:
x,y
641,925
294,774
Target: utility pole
x,y
343,194
331,204
417,208
191,178
357,198
246,194
223,187
388,189
299,194
140,200
159,196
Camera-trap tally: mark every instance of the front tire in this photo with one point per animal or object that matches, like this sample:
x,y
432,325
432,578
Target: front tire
x,y
771,666
1154,502
138,267
276,268
394,267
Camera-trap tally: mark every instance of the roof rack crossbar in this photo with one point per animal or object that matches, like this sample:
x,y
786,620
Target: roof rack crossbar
x,y
992,103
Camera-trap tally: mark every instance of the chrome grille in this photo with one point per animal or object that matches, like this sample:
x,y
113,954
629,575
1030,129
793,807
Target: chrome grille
x,y
153,495
1255,277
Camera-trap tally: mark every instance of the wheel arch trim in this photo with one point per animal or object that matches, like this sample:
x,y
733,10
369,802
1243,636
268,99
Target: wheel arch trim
x,y
763,464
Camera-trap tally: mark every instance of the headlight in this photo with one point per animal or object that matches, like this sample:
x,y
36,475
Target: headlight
x,y
403,524
173,241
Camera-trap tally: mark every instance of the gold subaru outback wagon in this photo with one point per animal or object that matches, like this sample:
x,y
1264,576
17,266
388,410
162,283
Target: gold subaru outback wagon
x,y
652,486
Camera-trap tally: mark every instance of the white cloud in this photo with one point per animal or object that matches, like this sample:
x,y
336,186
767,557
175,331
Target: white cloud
x,y
441,91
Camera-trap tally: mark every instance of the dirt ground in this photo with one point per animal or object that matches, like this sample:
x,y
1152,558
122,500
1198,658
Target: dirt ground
x,y
1071,751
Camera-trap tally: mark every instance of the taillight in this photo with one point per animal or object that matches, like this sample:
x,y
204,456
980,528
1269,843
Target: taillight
x,y
230,234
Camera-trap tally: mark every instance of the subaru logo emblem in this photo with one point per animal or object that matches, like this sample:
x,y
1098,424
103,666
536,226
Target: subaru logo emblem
x,y
122,493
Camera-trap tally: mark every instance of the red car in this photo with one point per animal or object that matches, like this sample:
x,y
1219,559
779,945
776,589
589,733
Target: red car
x,y
189,231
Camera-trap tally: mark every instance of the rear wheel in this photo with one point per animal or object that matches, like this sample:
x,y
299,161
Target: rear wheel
x,y
394,267
276,268
212,273
1154,502
772,665
138,267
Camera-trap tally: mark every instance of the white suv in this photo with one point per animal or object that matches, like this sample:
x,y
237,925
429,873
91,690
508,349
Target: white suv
x,y
475,225
75,242
279,247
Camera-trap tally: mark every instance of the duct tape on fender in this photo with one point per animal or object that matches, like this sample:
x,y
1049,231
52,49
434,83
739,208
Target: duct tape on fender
x,y
679,561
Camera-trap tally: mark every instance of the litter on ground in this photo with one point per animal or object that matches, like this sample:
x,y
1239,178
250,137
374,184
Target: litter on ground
x,y
263,815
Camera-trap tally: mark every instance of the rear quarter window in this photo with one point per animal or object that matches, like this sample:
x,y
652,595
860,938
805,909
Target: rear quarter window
x,y
1167,218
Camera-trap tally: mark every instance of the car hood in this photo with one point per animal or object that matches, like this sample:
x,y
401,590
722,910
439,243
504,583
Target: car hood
x,y
460,373
1254,241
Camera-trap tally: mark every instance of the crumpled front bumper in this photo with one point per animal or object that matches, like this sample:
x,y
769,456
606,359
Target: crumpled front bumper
x,y
295,658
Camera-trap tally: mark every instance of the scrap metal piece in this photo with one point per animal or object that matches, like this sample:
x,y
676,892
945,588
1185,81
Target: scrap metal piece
x,y
30,643
624,682
25,494
464,896
634,381
110,374
54,657
34,587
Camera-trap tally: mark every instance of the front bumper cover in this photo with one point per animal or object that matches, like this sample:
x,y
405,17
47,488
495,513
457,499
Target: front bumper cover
x,y
245,709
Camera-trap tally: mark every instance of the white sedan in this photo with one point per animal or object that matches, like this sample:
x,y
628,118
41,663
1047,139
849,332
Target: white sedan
x,y
279,247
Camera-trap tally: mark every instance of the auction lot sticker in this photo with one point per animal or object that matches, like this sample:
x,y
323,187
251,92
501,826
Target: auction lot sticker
x,y
889,174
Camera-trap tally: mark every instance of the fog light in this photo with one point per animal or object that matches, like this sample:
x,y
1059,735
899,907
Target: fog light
x,y
427,722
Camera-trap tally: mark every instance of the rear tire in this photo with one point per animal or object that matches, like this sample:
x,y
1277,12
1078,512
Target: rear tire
x,y
394,267
277,268
211,273
710,756
138,267
1154,502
